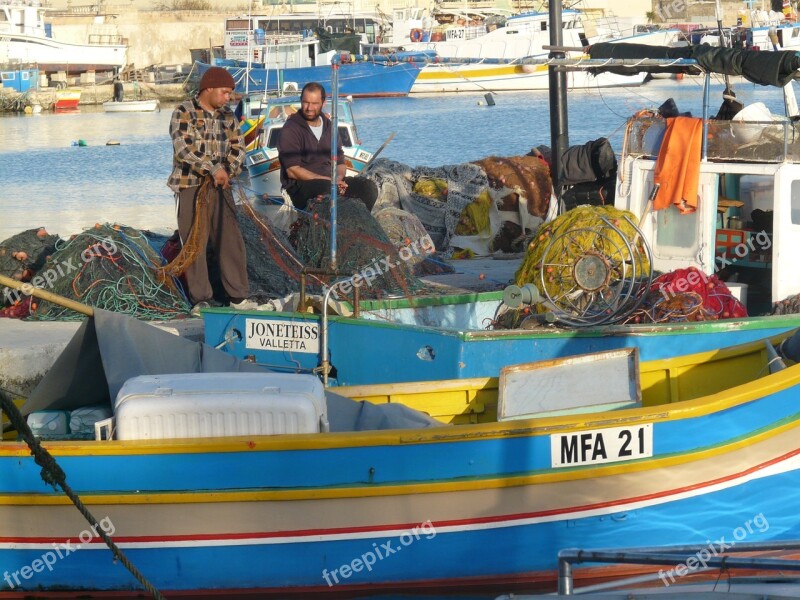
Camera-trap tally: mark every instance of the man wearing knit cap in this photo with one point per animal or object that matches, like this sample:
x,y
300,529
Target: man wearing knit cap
x,y
207,145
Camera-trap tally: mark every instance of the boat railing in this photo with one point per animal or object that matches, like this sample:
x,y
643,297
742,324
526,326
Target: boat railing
x,y
741,141
686,558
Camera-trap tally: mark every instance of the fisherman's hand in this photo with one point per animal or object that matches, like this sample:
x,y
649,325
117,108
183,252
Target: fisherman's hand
x,y
342,185
221,179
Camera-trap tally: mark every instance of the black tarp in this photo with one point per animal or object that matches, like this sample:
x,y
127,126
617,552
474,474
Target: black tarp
x,y
762,67
110,348
341,42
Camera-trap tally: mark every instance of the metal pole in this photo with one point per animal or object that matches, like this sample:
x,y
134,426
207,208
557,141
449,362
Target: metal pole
x,y
559,138
334,153
706,92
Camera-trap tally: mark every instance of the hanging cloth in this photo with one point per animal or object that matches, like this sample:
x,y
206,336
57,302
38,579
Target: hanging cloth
x,y
678,166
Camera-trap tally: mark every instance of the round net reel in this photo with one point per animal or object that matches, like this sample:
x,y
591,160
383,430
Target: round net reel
x,y
593,276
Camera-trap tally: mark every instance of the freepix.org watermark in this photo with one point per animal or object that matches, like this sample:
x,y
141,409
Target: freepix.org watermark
x,y
421,246
758,242
716,548
59,552
379,552
47,278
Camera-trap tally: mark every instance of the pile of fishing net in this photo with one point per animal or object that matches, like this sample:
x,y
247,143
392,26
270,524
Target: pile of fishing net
x,y
112,267
520,188
687,295
362,248
21,257
787,306
273,265
468,205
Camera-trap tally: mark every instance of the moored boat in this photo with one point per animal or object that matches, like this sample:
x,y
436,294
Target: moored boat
x,y
67,99
331,512
519,36
131,106
25,39
746,172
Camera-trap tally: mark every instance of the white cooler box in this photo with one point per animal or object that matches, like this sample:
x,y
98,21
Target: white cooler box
x,y
203,405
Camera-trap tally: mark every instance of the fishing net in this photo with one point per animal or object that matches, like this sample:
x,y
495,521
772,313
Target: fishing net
x,y
112,267
363,248
787,306
437,196
687,295
591,264
197,235
273,265
22,256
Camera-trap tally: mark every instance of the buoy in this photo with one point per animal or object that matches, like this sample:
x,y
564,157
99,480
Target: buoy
x,y
416,35
82,143
28,110
112,143
480,103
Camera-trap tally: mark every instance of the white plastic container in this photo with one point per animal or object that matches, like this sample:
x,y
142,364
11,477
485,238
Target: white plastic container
x,y
203,405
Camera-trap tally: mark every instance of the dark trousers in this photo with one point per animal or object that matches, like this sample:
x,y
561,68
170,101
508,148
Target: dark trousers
x,y
226,242
357,187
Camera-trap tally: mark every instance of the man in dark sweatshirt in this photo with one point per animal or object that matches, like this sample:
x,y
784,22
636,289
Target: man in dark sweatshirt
x,y
304,150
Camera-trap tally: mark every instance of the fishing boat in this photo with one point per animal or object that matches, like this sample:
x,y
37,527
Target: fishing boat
x,y
683,450
263,61
67,99
747,170
132,106
492,55
262,121
24,38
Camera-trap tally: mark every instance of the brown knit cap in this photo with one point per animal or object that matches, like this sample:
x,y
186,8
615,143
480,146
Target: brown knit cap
x,y
216,77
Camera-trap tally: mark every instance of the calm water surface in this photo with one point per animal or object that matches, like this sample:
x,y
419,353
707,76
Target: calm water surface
x,y
46,181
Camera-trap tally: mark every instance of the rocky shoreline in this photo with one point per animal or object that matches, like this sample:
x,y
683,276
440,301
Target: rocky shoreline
x,y
91,94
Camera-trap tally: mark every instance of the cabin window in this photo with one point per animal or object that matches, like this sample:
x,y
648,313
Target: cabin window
x,y
796,203
274,137
677,232
344,136
237,25
544,26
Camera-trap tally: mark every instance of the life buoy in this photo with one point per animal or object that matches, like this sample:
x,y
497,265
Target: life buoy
x,y
416,35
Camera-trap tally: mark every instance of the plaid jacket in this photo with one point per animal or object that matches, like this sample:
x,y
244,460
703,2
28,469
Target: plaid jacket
x,y
202,143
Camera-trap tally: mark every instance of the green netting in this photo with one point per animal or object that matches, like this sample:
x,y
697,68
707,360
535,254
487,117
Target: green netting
x,y
362,248
110,267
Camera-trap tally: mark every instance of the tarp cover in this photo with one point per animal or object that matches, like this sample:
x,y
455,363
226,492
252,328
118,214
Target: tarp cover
x,y
762,67
110,348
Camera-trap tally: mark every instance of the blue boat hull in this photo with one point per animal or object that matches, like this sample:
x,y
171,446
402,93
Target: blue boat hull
x,y
360,80
368,351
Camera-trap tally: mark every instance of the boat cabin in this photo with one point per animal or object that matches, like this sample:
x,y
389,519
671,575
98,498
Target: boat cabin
x,y
746,228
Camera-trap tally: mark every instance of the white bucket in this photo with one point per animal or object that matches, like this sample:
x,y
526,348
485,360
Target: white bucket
x,y
738,291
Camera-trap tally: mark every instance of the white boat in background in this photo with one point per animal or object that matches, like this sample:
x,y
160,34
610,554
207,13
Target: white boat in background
x,y
520,36
24,39
132,106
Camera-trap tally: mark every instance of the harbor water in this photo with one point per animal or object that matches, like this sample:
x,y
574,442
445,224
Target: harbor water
x,y
49,180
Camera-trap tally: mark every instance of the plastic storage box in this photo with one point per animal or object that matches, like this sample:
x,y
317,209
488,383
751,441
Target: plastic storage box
x,y
203,405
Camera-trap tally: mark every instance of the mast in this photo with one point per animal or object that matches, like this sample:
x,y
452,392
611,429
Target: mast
x,y
559,138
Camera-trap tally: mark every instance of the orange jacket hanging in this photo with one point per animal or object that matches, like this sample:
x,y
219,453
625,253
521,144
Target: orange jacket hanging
x,y
678,165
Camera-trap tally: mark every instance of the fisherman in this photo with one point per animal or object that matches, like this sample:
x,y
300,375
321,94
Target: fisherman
x,y
207,145
304,150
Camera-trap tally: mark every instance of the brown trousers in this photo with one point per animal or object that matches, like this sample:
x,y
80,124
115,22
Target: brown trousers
x,y
226,242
